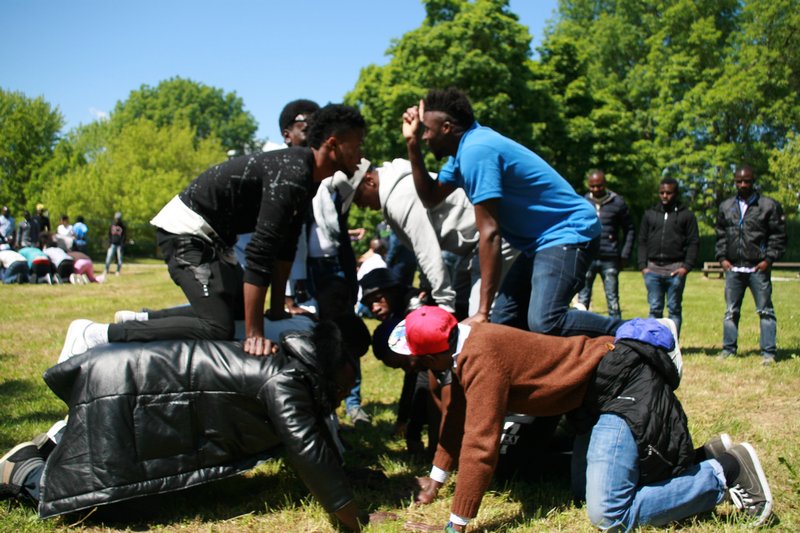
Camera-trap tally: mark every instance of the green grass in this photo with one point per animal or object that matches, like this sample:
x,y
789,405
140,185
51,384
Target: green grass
x,y
739,396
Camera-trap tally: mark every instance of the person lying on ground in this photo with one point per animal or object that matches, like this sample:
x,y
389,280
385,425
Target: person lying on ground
x,y
151,418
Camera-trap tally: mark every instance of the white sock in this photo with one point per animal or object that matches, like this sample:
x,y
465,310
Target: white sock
x,y
95,334
142,316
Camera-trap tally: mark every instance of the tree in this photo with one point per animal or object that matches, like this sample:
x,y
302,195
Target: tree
x,y
28,132
138,172
685,87
477,46
209,110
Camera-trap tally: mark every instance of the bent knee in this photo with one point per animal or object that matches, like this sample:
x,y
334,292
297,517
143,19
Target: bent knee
x,y
605,518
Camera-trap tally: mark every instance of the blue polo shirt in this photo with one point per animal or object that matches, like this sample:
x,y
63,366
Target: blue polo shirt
x,y
538,208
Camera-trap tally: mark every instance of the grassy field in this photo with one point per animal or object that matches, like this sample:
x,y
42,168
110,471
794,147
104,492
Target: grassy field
x,y
738,396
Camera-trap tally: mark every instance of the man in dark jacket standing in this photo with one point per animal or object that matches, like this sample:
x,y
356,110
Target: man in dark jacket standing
x,y
614,252
751,235
668,244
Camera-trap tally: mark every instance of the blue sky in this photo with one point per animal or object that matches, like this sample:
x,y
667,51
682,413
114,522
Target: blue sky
x,y
83,56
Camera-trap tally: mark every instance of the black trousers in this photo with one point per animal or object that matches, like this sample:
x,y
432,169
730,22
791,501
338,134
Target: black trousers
x,y
212,286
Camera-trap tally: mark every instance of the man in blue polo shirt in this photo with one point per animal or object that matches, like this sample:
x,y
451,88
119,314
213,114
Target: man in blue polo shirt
x,y
518,196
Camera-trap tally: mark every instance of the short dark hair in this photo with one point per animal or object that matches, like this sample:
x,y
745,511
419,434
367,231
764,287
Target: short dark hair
x,y
294,108
331,120
594,171
743,167
453,102
669,180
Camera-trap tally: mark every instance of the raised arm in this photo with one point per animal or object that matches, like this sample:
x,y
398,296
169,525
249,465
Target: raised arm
x,y
430,191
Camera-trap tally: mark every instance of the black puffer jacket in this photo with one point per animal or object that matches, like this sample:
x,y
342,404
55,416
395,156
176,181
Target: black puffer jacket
x,y
668,235
161,416
759,236
615,218
636,381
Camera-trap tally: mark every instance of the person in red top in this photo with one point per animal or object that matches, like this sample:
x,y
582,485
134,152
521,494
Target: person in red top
x,y
498,369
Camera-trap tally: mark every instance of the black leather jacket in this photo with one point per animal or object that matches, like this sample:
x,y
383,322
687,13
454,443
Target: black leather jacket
x,y
148,418
759,235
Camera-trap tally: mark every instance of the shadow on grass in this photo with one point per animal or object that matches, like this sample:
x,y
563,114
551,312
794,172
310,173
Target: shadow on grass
x,y
19,397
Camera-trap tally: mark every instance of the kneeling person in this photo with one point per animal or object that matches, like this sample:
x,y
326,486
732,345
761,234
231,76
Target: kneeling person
x,y
498,369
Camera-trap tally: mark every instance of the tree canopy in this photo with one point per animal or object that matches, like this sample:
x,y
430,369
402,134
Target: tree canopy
x,y
28,134
208,110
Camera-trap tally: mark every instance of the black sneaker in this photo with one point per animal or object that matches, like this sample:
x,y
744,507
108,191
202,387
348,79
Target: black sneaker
x,y
15,467
750,490
718,445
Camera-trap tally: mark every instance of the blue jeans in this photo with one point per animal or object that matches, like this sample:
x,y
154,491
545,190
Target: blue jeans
x,y
320,269
114,250
760,284
537,290
614,499
17,272
659,285
609,273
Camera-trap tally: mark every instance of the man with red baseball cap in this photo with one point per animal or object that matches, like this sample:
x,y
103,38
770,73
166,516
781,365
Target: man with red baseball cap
x,y
623,388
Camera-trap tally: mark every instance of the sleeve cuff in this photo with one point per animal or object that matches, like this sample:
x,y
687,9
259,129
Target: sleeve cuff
x,y
458,520
437,474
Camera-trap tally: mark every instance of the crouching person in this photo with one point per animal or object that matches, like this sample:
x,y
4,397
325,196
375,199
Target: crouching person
x,y
157,417
641,465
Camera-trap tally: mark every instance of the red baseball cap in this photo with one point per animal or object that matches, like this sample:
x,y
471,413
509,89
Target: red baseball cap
x,y
423,332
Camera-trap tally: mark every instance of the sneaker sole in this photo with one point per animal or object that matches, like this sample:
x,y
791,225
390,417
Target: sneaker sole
x,y
12,451
762,478
72,337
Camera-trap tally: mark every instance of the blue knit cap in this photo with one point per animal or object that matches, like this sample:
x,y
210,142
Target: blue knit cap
x,y
647,330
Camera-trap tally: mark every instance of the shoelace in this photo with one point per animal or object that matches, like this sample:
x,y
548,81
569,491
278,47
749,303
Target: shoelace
x,y
742,499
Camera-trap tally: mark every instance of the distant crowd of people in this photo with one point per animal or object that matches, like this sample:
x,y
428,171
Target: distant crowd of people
x,y
500,371
32,252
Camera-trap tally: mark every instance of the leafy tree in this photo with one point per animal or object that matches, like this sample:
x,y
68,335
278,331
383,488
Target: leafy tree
x,y
139,171
477,46
685,87
209,110
28,132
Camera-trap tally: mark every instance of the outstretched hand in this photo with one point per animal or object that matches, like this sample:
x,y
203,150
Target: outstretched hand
x,y
411,121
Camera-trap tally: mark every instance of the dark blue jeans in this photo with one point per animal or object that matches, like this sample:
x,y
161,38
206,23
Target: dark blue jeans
x,y
320,269
658,286
760,283
537,290
606,465
609,273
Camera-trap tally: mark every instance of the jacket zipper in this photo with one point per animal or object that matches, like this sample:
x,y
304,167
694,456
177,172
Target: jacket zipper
x,y
651,450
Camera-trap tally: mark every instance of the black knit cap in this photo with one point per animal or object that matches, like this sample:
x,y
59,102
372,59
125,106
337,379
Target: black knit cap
x,y
376,280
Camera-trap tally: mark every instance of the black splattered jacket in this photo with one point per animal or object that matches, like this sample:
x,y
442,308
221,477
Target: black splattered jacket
x,y
266,193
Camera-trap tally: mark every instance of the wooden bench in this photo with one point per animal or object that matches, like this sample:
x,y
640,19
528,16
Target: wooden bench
x,y
713,267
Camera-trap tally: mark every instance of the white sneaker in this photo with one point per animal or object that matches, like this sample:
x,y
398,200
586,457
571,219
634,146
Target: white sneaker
x,y
85,279
675,354
76,342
